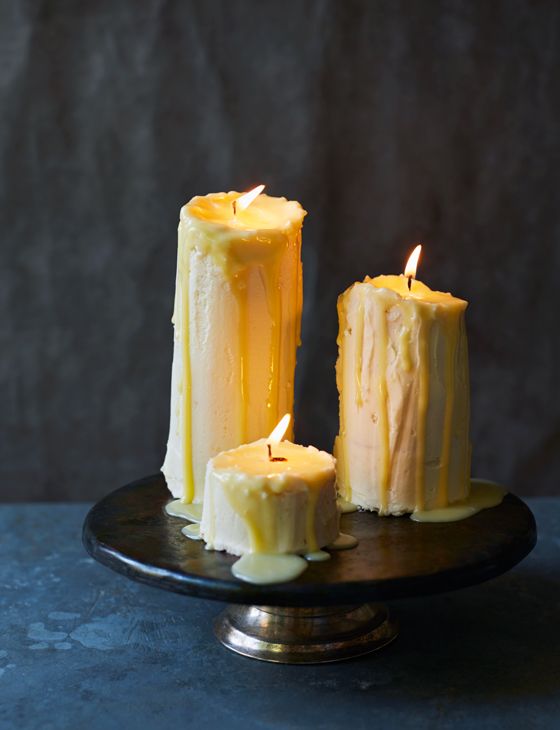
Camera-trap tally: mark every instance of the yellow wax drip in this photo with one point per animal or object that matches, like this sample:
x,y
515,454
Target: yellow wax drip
x,y
239,288
423,397
451,326
381,345
340,447
359,352
270,276
188,477
310,532
258,512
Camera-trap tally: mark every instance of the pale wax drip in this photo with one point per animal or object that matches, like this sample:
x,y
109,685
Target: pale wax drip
x,y
258,512
239,288
188,477
346,507
310,531
319,556
249,508
192,532
423,399
178,508
483,495
270,276
358,362
265,569
451,327
343,542
341,441
381,336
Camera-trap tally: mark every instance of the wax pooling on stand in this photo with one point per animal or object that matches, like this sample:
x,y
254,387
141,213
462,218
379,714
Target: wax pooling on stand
x,y
236,319
271,502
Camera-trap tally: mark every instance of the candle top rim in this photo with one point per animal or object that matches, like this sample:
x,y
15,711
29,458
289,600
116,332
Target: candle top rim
x,y
248,464
265,213
397,285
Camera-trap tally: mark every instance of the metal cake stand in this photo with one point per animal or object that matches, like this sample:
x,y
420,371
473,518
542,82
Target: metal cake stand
x,y
332,611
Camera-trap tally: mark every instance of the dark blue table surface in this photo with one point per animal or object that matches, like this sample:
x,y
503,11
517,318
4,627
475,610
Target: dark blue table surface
x,y
82,647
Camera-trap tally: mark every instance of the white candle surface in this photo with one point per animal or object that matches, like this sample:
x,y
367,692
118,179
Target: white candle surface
x,y
402,375
236,320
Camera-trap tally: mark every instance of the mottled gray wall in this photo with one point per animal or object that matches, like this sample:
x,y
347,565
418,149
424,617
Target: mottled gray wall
x,y
392,122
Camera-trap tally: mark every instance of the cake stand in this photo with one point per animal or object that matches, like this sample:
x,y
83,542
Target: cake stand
x,y
332,611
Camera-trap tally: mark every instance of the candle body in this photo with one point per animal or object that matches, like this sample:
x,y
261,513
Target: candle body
x,y
236,323
402,376
253,505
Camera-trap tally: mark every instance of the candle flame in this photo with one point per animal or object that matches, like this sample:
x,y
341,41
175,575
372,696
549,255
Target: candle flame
x,y
244,201
278,433
412,263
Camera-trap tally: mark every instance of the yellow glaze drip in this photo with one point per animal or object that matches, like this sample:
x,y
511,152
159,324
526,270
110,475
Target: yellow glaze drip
x,y
451,326
254,509
239,289
178,508
340,448
359,352
258,510
404,348
423,398
381,345
346,507
188,478
192,532
319,556
263,569
310,517
483,495
270,276
343,542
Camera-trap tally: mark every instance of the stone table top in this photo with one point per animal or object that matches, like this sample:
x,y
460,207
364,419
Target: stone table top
x,y
83,647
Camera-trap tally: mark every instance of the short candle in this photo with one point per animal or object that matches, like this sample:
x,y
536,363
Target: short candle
x,y
270,498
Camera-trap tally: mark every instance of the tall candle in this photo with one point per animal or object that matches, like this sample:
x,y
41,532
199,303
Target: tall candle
x,y
402,375
236,319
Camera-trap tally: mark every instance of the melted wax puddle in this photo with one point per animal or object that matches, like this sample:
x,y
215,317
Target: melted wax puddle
x,y
263,568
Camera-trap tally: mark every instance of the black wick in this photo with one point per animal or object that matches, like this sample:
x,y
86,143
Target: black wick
x,y
274,458
409,283
234,204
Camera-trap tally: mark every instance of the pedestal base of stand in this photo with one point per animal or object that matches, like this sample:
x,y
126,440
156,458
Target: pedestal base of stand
x,y
305,635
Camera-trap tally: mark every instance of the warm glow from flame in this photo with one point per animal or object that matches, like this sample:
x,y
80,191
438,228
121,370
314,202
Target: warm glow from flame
x,y
244,201
278,434
412,263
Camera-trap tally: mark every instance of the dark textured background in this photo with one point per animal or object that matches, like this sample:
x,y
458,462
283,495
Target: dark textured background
x,y
392,122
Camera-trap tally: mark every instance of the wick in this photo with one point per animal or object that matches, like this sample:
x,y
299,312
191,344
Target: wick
x,y
274,458
234,205
409,283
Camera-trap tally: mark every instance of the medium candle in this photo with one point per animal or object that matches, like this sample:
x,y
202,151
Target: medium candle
x,y
402,376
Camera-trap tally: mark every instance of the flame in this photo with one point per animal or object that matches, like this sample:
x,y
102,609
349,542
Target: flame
x,y
412,263
244,201
279,432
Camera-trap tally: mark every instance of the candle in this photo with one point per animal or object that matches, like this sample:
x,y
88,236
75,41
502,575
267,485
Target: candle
x,y
271,501
402,376
236,321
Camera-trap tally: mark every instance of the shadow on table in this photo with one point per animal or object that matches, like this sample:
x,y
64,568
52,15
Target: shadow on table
x,y
498,639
